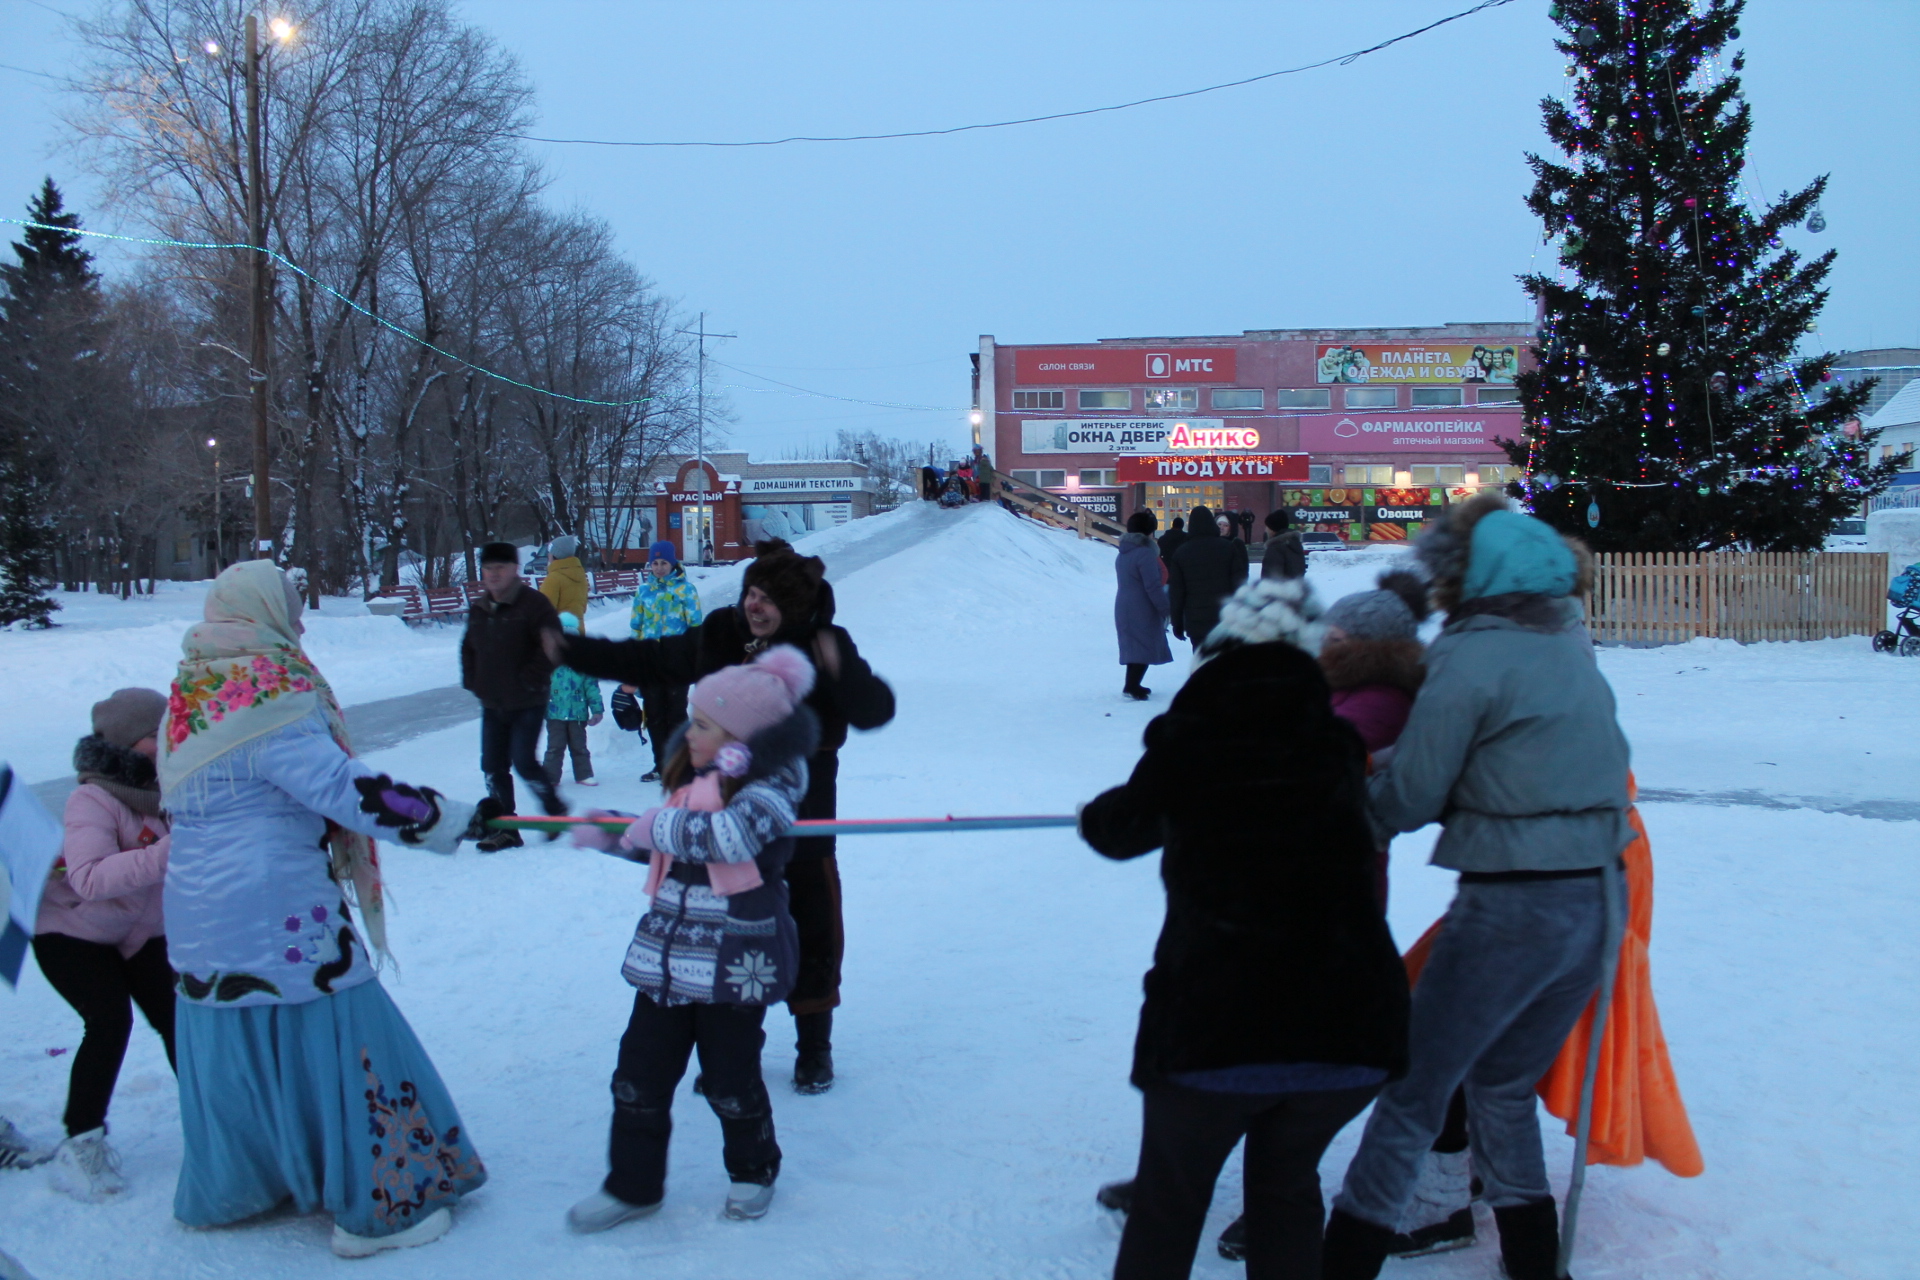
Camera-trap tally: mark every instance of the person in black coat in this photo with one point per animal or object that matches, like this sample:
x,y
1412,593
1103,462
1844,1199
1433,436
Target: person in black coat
x,y
785,599
1173,539
1286,553
1277,1004
504,663
1203,572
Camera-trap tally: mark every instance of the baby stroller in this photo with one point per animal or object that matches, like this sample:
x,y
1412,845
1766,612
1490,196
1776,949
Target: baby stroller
x,y
1905,636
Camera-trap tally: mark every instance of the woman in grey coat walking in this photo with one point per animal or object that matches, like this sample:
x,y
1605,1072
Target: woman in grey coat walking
x,y
1140,604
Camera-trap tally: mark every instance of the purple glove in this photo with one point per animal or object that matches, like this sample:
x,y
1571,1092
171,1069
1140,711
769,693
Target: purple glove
x,y
640,834
588,835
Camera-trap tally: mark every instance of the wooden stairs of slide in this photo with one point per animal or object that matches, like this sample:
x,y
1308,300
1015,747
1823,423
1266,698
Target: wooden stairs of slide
x,y
1052,509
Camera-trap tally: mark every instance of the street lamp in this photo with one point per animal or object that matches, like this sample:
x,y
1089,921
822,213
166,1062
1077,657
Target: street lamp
x,y
282,30
214,444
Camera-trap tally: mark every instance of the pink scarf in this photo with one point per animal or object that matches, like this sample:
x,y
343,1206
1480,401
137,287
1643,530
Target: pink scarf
x,y
702,795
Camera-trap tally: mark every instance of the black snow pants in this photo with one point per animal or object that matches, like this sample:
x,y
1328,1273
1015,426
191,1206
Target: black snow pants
x,y
100,983
666,707
653,1057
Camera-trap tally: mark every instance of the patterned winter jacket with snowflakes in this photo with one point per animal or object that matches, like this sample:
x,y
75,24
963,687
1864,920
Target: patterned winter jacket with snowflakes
x,y
695,946
668,606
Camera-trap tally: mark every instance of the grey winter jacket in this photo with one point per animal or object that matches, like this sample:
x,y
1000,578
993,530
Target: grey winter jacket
x,y
1513,746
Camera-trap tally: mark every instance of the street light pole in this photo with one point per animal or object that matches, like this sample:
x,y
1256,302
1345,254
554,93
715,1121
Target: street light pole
x,y
703,512
213,443
257,360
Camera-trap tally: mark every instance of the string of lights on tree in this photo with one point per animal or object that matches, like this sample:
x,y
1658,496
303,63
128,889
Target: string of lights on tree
x,y
1667,349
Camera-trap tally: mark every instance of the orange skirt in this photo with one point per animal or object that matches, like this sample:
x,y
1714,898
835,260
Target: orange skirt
x,y
1637,1111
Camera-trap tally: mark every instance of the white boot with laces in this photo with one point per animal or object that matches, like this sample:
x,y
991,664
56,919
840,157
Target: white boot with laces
x,y
87,1168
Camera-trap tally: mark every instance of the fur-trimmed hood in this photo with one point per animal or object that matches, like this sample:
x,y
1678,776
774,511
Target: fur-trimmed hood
x,y
1446,551
94,755
1350,664
1264,611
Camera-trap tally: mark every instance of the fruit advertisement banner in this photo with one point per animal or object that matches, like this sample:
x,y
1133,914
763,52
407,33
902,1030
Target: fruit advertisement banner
x,y
1360,514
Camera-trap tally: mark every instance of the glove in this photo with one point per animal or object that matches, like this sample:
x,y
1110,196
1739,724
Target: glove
x,y
640,834
421,816
589,835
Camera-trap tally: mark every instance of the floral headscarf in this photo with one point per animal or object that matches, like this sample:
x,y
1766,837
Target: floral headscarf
x,y
245,675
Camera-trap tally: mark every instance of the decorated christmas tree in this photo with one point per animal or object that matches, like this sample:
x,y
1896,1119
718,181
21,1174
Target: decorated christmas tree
x,y
1671,409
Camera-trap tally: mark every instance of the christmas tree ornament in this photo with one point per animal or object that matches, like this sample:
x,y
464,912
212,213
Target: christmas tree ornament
x,y
1733,33
1586,37
1699,311
1555,12
1665,348
1816,221
1718,384
1593,515
1613,122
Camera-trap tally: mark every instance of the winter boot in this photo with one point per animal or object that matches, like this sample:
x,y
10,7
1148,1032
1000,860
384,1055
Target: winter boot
x,y
1139,693
1116,1197
651,775
1529,1240
603,1210
748,1200
86,1168
1440,1215
499,840
1232,1244
430,1228
17,1150
813,1066
1355,1249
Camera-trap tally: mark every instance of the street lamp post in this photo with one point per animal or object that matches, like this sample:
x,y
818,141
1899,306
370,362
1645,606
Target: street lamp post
x,y
257,238
213,443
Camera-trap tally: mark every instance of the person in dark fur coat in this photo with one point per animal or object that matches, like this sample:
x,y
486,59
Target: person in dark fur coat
x,y
1277,1005
1206,569
784,599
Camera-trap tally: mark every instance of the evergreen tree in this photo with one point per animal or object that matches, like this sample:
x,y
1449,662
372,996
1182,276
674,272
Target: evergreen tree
x,y
1669,404
50,317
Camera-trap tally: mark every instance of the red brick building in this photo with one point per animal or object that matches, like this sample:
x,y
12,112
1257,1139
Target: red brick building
x,y
1358,431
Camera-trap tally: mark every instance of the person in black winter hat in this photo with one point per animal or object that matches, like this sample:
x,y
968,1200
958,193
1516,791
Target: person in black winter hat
x,y
1277,1005
1206,569
784,599
1173,539
504,664
1286,555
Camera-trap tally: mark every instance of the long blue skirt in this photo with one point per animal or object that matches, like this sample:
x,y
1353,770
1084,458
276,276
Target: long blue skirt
x,y
332,1104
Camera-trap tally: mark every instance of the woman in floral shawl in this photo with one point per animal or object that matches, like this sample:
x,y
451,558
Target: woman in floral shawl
x,y
299,1079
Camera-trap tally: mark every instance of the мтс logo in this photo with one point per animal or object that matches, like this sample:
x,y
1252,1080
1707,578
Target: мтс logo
x,y
1159,364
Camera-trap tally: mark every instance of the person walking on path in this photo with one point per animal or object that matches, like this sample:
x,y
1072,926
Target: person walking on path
x,y
1140,605
565,582
299,1079
1276,1006
1286,554
667,604
99,937
573,707
1206,569
785,599
1513,746
1173,539
504,664
715,854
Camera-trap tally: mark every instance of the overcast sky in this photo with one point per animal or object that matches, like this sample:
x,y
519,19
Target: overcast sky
x,y
1387,192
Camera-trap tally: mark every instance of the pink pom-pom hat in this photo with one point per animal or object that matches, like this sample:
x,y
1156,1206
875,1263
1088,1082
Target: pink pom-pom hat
x,y
757,695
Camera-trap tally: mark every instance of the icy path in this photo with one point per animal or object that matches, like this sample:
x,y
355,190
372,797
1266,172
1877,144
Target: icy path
x,y
993,982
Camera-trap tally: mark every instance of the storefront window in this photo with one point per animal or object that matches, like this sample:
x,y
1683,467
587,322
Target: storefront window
x,y
1169,500
1106,399
1240,398
1173,399
1351,474
1369,397
1053,479
1039,399
1497,475
1436,477
1433,398
1497,395
1026,477
1096,479
1313,398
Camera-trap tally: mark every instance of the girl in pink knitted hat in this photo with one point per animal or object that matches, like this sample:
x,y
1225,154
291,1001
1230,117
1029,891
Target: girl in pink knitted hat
x,y
717,945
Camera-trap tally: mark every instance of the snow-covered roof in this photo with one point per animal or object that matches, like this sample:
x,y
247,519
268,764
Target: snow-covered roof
x,y
1903,410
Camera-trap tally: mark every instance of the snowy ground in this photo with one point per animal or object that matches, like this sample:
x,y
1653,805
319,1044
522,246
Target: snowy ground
x,y
993,981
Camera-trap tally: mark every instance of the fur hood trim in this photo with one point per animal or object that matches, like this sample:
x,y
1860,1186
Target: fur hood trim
x,y
96,756
1264,611
1350,664
1446,546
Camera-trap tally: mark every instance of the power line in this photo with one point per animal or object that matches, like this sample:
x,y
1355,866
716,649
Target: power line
x,y
328,289
883,404
1341,60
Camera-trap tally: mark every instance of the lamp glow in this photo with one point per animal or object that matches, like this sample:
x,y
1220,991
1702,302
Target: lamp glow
x,y
282,29
212,47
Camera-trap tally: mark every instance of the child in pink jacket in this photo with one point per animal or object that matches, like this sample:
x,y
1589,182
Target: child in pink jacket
x,y
99,938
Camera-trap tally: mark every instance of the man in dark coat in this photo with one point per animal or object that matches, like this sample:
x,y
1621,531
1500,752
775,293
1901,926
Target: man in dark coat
x,y
785,599
503,663
1286,554
1173,539
1277,1004
1203,572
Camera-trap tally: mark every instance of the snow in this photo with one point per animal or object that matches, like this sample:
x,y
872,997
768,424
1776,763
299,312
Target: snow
x,y
992,981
